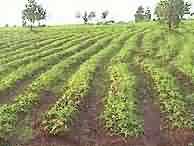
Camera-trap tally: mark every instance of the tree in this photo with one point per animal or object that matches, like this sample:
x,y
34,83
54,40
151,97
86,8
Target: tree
x,y
86,16
139,15
91,15
32,13
104,14
172,11
148,15
161,10
187,8
24,23
41,13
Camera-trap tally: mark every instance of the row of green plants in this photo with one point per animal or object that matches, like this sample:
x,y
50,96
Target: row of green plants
x,y
184,61
31,44
9,67
153,40
14,39
25,102
59,118
17,42
13,65
11,47
130,48
33,49
121,115
26,71
170,48
172,103
127,50
17,45
17,39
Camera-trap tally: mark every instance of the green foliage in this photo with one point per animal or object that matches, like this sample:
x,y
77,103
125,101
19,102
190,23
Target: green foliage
x,y
77,88
142,14
24,102
184,61
72,54
148,15
86,16
120,113
172,102
172,11
105,14
187,8
139,15
32,13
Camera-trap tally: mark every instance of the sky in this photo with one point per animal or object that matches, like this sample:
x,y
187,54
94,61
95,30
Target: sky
x,y
63,11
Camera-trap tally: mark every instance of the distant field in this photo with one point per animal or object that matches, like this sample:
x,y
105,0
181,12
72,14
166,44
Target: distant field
x,y
103,85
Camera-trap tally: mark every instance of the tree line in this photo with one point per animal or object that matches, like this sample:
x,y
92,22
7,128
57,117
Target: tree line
x,y
87,16
169,12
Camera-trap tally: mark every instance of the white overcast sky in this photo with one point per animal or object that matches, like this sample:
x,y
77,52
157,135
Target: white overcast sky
x,y
63,11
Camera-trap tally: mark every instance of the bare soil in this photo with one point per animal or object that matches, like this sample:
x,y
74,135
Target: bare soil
x,y
179,137
149,105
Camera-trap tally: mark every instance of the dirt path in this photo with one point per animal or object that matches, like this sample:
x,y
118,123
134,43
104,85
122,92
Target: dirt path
x,y
148,103
150,108
86,128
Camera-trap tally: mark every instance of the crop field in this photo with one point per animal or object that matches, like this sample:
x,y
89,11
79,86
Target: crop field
x,y
114,85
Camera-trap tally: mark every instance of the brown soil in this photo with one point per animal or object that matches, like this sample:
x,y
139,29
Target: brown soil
x,y
152,136
150,109
3,142
179,137
86,130
47,99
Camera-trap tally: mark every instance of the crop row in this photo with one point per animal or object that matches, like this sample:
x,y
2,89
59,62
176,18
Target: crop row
x,y
27,100
19,39
18,42
170,48
28,70
121,114
172,102
36,48
184,61
153,41
39,46
30,45
48,51
12,46
59,117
